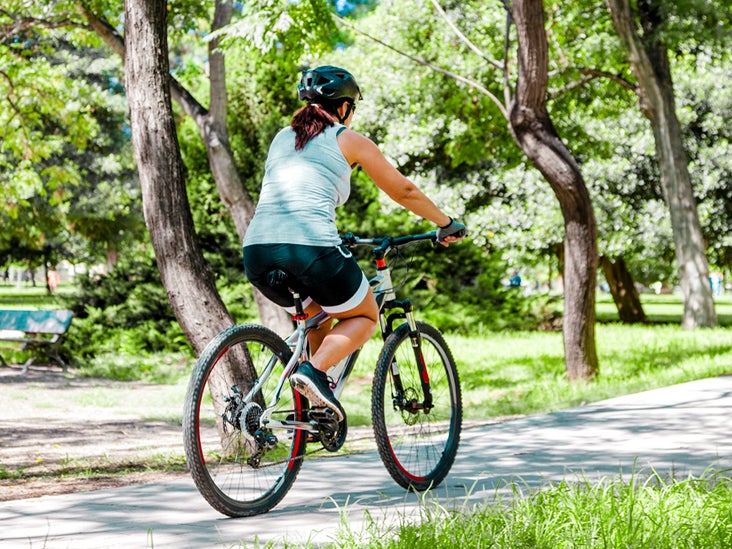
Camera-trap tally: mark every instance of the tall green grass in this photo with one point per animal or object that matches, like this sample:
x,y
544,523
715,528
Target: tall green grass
x,y
611,513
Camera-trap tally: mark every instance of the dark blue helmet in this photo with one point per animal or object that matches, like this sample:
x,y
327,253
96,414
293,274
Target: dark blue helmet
x,y
328,82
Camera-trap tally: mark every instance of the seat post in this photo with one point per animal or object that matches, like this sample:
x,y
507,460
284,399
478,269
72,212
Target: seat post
x,y
300,314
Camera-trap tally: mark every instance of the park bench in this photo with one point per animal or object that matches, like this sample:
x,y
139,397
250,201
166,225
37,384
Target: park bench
x,y
35,330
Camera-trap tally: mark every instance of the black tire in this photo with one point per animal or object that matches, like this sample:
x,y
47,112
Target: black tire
x,y
220,453
417,447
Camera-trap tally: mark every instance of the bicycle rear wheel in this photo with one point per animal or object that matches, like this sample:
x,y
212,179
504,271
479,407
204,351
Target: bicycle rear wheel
x,y
417,440
239,467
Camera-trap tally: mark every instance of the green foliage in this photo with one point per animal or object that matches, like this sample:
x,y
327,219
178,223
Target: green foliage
x,y
124,312
65,163
705,111
463,287
300,28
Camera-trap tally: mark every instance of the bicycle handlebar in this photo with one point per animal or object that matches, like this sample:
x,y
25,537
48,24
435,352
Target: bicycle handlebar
x,y
385,243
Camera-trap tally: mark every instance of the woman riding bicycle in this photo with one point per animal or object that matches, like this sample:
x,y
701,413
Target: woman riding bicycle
x,y
307,175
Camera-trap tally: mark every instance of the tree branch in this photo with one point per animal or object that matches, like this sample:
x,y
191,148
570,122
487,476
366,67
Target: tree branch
x,y
472,83
464,38
21,24
104,30
592,74
114,40
506,49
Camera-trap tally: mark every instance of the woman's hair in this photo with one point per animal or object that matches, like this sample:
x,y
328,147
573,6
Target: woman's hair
x,y
312,120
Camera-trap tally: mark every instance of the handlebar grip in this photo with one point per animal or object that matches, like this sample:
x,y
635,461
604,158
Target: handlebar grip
x,y
348,239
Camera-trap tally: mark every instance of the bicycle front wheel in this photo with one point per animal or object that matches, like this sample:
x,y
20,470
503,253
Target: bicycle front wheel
x,y
417,436
240,466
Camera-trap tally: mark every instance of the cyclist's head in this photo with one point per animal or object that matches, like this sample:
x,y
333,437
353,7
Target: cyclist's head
x,y
326,89
328,83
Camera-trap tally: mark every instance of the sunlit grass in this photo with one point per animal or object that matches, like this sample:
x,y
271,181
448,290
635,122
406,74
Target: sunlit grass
x,y
612,513
524,372
663,308
33,297
509,373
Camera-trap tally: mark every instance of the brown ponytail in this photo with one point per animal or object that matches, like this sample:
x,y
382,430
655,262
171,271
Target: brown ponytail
x,y
310,121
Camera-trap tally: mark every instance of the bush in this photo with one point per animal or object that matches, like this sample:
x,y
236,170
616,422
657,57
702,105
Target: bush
x,y
123,312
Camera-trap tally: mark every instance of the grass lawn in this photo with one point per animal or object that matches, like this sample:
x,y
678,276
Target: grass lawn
x,y
29,297
662,308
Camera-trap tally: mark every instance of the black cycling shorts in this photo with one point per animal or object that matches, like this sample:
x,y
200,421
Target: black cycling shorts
x,y
328,275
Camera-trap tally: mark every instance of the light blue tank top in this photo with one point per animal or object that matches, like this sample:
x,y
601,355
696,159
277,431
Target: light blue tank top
x,y
300,191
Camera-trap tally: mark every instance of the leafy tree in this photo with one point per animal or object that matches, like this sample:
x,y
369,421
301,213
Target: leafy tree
x,y
66,161
522,112
644,30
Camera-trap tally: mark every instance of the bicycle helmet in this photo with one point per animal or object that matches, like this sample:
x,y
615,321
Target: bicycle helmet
x,y
328,82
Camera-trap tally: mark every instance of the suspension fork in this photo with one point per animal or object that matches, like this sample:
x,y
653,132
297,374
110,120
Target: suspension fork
x,y
424,376
415,339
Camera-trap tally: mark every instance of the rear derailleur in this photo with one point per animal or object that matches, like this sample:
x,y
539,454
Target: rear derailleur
x,y
245,418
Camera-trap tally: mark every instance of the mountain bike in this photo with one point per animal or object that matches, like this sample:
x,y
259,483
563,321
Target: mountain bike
x,y
246,429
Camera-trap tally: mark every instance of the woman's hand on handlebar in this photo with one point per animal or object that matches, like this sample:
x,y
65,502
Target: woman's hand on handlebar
x,y
451,232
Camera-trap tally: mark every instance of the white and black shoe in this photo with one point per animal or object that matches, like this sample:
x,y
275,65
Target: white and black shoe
x,y
313,384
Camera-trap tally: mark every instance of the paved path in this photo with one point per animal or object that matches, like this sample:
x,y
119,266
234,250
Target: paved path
x,y
679,430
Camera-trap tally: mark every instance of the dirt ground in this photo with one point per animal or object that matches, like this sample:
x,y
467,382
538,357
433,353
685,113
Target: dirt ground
x,y
63,433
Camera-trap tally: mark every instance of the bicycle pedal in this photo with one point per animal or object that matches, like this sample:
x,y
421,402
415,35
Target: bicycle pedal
x,y
322,412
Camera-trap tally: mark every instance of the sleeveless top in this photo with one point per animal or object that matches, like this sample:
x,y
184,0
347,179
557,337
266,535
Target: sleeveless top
x,y
300,191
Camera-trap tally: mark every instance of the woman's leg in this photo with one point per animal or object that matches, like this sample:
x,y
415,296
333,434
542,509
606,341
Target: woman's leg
x,y
316,335
354,328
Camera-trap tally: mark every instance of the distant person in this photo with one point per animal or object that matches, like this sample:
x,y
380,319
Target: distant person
x,y
715,282
515,281
53,280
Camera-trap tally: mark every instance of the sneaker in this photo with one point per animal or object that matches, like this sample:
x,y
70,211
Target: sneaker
x,y
313,384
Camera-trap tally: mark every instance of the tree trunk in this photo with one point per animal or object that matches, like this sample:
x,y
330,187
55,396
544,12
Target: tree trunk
x,y
650,65
625,295
185,274
214,133
534,132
